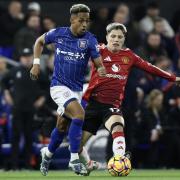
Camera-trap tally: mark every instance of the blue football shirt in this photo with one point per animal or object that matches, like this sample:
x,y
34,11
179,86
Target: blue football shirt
x,y
71,56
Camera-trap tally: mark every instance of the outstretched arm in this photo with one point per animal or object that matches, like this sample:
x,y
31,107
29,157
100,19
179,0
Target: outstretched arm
x,y
148,67
38,48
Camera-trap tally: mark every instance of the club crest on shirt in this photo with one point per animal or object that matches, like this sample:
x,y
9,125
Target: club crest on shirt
x,y
125,60
82,43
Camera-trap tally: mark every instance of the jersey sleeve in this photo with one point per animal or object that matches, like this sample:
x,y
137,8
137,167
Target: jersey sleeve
x,y
94,49
50,36
148,67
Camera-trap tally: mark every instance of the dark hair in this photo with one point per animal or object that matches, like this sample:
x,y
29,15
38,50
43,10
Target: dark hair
x,y
153,5
29,16
116,26
12,1
153,32
49,17
78,8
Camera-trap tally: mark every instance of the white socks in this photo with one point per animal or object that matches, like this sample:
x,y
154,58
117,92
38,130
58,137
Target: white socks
x,y
119,145
74,156
48,153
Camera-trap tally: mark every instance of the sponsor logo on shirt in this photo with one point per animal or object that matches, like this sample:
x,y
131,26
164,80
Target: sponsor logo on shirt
x,y
71,55
116,68
116,76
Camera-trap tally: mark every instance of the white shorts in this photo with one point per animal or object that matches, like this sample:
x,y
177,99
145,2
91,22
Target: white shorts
x,y
62,96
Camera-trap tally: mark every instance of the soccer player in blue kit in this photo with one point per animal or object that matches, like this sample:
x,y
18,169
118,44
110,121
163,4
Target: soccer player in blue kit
x,y
74,46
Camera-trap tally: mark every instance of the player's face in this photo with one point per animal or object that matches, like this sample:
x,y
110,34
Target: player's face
x,y
115,40
80,23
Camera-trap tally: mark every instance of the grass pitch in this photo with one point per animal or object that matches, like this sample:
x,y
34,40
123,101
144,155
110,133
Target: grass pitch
x,y
97,175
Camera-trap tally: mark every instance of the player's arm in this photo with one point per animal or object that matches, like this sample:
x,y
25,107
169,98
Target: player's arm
x,y
38,48
47,38
99,66
148,67
96,57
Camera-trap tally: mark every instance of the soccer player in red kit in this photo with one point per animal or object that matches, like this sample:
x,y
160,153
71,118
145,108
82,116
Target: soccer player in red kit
x,y
105,95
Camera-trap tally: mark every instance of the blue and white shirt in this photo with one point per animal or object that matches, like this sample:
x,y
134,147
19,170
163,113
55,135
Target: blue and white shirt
x,y
71,56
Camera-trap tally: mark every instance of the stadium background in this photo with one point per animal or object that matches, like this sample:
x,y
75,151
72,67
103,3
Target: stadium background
x,y
158,150
53,7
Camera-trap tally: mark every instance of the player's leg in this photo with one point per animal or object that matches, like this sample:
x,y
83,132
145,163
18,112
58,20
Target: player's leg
x,y
56,139
68,103
57,135
83,154
59,132
115,125
92,122
76,112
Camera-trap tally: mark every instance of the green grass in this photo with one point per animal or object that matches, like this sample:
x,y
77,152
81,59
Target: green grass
x,y
97,175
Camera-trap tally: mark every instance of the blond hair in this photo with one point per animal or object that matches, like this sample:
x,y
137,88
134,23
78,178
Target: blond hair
x,y
152,95
78,8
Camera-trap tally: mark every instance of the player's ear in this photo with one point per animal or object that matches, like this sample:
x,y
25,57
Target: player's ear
x,y
124,38
72,18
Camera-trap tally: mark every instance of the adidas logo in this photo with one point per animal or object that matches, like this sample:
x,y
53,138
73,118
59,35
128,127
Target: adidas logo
x,y
107,59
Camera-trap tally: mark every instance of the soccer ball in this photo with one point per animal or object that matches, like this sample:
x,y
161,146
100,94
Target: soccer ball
x,y
119,166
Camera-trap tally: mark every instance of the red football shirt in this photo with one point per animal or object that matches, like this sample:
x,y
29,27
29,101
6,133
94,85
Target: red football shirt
x,y
110,89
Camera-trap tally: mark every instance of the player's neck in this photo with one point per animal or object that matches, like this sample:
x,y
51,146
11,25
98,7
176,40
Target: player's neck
x,y
73,32
114,51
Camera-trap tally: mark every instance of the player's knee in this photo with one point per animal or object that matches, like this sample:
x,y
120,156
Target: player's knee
x,y
79,115
62,124
117,128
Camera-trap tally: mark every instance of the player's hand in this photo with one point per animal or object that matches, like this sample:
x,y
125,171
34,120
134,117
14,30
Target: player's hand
x,y
177,81
35,71
101,71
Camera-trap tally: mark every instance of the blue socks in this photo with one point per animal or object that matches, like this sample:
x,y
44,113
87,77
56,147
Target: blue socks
x,y
75,133
56,139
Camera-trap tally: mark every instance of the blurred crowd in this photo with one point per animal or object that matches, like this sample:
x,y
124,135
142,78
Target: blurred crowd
x,y
151,107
